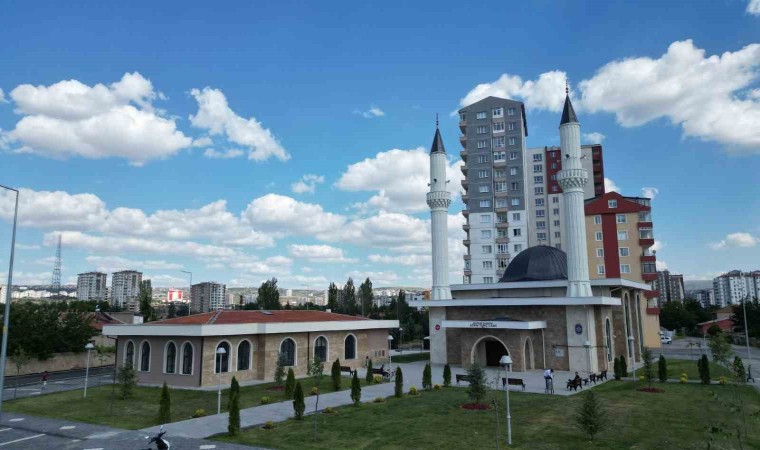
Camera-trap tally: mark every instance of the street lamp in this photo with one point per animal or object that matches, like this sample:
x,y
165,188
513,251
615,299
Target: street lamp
x,y
401,336
88,347
633,355
390,359
8,288
307,296
506,363
220,352
746,330
190,293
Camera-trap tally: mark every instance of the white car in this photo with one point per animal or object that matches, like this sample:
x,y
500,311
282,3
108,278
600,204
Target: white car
x,y
666,340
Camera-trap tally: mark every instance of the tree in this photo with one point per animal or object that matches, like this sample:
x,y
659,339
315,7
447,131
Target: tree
x,y
234,389
172,311
356,390
703,365
348,302
279,371
290,383
370,375
447,375
477,388
233,425
165,406
623,366
75,331
714,329
127,380
335,374
299,406
753,317
145,300
20,359
721,349
616,366
675,316
332,298
662,369
398,389
427,377
365,292
646,357
738,367
590,415
269,295
316,371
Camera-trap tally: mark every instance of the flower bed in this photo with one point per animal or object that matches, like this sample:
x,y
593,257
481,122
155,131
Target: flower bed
x,y
476,406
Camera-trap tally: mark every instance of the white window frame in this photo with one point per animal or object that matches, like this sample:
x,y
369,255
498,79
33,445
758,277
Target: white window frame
x,y
621,218
598,236
623,233
625,250
481,115
600,252
600,269
612,203
597,219
497,112
625,268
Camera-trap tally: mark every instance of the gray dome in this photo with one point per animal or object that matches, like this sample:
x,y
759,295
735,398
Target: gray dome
x,y
539,263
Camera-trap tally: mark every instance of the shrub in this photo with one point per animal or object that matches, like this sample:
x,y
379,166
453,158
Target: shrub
x,y
198,413
623,366
369,377
447,375
279,371
437,387
427,377
590,416
704,369
413,391
314,390
269,425
683,378
477,388
356,390
379,400
722,380
329,410
739,373
335,374
399,388
646,356
165,406
642,378
378,379
616,365
299,406
233,425
266,400
127,380
234,389
662,369
290,383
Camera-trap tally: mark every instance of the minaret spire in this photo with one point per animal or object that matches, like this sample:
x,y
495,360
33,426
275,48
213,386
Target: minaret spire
x,y
439,199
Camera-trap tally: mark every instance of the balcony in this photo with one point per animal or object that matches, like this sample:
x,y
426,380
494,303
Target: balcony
x,y
465,183
648,258
463,167
502,240
651,294
502,225
467,257
465,197
500,163
500,272
500,194
649,276
466,212
466,242
463,154
467,272
502,209
462,125
463,139
644,224
466,227
647,242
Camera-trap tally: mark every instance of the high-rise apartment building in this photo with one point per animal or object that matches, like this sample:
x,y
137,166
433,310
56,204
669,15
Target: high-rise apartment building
x,y
208,296
734,286
670,286
92,286
125,287
704,296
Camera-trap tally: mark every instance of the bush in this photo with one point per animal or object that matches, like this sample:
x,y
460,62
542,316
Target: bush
x,y
616,365
722,380
427,376
329,410
447,375
266,400
299,406
233,426
683,378
198,413
279,371
356,390
477,388
234,389
662,369
642,378
335,373
437,387
379,400
704,369
165,406
413,391
127,379
590,416
646,357
399,388
314,390
290,383
739,373
269,425
623,366
369,377
378,379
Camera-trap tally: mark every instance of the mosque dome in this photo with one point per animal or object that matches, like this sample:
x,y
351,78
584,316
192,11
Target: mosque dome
x,y
539,263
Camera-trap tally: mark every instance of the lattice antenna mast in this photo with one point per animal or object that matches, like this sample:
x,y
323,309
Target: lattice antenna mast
x,y
56,281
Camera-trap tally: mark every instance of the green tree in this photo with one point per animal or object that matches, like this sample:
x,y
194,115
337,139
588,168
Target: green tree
x,y
739,369
335,374
145,300
753,317
20,359
591,415
370,375
279,370
316,371
290,383
365,292
233,425
127,379
348,302
234,389
623,366
269,295
721,349
675,316
703,365
171,311
662,369
477,389
447,375
646,357
356,390
75,331
398,389
165,406
427,377
332,298
299,406
616,366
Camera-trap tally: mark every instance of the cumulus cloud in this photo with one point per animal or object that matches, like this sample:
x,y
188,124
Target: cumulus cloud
x,y
115,263
319,253
379,279
610,186
307,183
736,240
399,177
753,7
371,113
215,115
2,97
593,138
281,215
157,280
661,265
119,244
547,92
224,154
70,118
649,192
403,259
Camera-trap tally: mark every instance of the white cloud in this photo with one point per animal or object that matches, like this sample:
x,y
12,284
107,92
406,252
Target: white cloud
x,y
701,94
281,215
371,113
70,118
610,186
2,97
114,244
203,141
399,177
736,240
307,183
379,279
661,265
319,253
649,192
225,154
548,92
115,263
165,280
27,246
404,260
593,138
657,246
215,115
753,7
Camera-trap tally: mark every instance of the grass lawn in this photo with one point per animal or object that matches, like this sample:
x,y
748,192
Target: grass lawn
x,y
411,357
142,410
677,366
677,418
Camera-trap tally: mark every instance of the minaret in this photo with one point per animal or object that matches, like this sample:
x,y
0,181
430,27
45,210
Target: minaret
x,y
439,199
572,178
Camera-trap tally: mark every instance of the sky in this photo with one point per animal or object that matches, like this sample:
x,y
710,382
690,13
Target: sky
x,y
247,140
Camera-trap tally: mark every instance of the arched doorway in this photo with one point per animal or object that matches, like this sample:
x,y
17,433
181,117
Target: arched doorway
x,y
487,351
528,358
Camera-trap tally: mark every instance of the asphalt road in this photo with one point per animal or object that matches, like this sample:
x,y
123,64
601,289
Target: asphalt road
x,y
62,381
24,380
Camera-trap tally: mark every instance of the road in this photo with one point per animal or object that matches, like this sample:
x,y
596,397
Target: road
x,y
29,385
692,348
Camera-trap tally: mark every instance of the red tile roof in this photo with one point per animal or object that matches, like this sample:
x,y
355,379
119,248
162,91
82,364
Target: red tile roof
x,y
234,317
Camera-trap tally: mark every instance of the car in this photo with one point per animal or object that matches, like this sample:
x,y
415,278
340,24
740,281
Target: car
x,y
666,340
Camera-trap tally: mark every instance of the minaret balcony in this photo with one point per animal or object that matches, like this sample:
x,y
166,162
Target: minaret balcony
x,y
466,227
465,197
468,272
466,212
463,154
467,257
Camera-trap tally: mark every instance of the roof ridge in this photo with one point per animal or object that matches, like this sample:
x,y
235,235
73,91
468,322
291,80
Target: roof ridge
x,y
214,317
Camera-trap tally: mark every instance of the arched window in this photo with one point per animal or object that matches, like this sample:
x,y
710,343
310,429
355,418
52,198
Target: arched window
x,y
129,354
244,355
145,357
350,347
609,339
320,349
187,359
288,350
222,361
171,358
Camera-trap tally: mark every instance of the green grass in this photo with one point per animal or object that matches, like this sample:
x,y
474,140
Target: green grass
x,y
411,357
677,366
676,419
142,410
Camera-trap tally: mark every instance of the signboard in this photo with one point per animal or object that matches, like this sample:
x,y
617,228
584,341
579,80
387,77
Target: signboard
x,y
482,324
437,327
495,324
578,328
559,352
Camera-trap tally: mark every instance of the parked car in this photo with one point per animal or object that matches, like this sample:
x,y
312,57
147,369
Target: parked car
x,y
666,340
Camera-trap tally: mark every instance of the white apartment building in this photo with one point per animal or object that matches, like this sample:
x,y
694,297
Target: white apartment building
x,y
734,286
208,296
92,286
125,287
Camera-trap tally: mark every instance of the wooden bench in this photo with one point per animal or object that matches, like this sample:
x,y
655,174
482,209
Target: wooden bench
x,y
348,370
574,384
461,377
512,382
602,375
380,371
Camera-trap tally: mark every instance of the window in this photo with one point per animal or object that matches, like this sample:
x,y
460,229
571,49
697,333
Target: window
x,y
501,218
481,115
554,165
503,263
486,249
538,190
499,174
483,144
516,232
501,186
511,126
488,264
129,354
513,170
621,218
538,179
145,357
556,223
513,156
554,177
482,174
320,349
598,235
600,269
502,249
539,202
497,112
516,216
625,268
244,355
597,220
288,350
350,347
555,189
463,117
223,361
487,279
612,203
482,129
482,159
187,358
511,111
499,156
498,126
541,236
536,167
600,253
624,251
538,157
540,225
555,199
484,188
515,202
171,358
518,248
540,213
512,141
514,185
485,234
497,141
556,234
501,202
485,203
485,218
555,211
622,235
645,233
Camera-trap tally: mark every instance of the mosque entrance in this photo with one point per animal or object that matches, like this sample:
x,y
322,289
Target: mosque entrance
x,y
488,351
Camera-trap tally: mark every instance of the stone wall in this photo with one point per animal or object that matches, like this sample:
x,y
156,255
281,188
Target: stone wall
x,y
157,371
58,362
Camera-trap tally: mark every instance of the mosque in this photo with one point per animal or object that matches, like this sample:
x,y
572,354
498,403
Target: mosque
x,y
545,311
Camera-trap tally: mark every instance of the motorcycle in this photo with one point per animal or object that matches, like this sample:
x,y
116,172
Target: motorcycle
x,y
161,443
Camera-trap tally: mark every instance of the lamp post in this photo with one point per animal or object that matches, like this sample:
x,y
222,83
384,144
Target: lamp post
x,y
587,345
401,336
390,358
633,355
220,352
746,330
190,292
88,347
506,362
307,296
7,313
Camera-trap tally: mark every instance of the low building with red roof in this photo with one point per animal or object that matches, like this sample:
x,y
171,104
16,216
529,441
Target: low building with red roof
x,y
183,351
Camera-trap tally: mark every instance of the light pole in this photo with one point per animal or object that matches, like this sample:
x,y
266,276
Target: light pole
x,y
89,347
401,337
587,344
506,362
8,288
220,352
307,296
633,355
190,292
746,330
390,358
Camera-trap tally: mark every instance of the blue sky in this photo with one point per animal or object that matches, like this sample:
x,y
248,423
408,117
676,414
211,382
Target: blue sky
x,y
167,137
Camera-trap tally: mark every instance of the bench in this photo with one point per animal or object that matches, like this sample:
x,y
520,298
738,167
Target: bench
x,y
574,384
379,371
348,370
602,376
461,377
512,382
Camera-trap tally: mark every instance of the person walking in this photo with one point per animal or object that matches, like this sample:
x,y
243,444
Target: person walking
x,y
549,378
44,379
